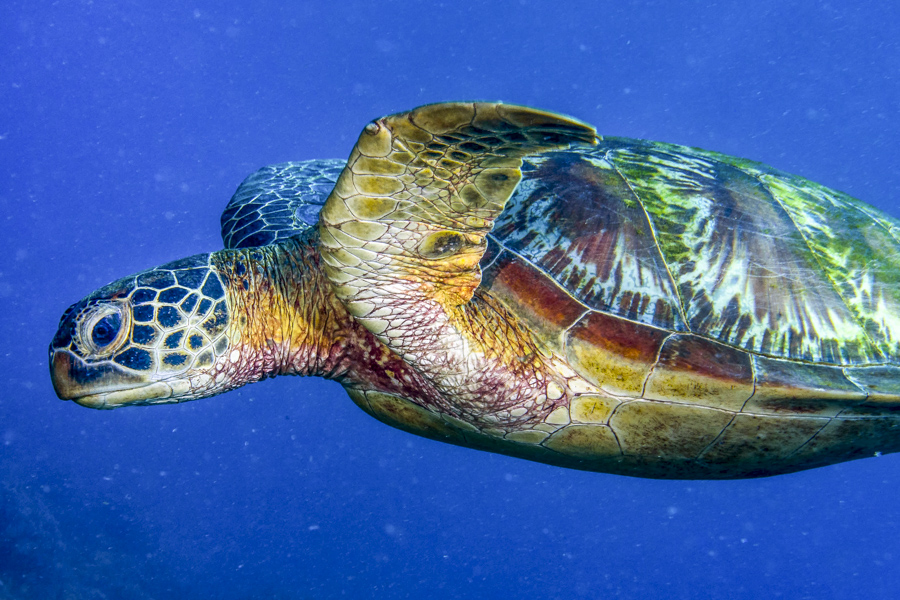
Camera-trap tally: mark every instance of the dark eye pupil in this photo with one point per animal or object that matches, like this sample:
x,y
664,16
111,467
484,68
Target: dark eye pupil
x,y
106,330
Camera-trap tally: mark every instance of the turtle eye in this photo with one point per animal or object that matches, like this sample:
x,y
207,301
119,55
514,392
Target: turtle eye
x,y
106,330
102,329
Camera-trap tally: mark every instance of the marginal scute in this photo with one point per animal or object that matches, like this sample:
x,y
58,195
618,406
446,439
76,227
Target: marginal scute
x,y
527,436
881,383
459,424
840,437
760,440
585,441
614,354
789,387
674,431
697,370
590,408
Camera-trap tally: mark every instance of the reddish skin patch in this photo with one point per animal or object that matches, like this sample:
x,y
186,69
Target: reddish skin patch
x,y
289,322
516,371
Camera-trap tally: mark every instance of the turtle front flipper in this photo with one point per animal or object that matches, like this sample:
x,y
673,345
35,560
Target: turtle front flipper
x,y
278,202
405,227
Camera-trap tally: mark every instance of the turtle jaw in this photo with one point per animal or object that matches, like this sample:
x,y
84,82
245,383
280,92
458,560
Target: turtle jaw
x,y
107,387
153,393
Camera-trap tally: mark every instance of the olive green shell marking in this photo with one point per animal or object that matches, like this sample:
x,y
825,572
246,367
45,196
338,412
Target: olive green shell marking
x,y
693,241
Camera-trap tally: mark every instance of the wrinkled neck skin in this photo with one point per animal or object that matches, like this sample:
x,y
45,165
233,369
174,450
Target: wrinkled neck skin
x,y
285,320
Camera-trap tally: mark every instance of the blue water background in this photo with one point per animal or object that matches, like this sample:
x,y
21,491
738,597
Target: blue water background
x,y
124,129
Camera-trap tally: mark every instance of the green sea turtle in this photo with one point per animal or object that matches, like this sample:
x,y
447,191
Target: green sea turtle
x,y
503,278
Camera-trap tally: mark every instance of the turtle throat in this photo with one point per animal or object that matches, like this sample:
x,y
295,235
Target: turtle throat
x,y
284,318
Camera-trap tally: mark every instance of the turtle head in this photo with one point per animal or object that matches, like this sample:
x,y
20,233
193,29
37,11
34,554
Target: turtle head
x,y
154,337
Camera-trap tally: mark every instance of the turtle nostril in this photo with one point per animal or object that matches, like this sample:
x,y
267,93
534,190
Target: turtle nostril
x,y
106,330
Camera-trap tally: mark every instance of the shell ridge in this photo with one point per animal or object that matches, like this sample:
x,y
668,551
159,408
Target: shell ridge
x,y
718,437
656,360
861,387
609,156
813,436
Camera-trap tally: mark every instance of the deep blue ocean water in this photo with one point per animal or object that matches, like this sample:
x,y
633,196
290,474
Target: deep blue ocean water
x,y
124,129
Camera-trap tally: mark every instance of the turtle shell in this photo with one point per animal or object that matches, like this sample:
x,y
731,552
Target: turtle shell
x,y
740,321
671,273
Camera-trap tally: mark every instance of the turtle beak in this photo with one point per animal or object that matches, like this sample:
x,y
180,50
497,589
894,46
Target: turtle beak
x,y
95,386
64,375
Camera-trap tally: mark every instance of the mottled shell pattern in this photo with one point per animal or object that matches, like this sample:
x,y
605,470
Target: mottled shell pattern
x,y
676,241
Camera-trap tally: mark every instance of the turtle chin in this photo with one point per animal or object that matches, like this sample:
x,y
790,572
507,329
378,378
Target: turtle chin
x,y
105,386
154,393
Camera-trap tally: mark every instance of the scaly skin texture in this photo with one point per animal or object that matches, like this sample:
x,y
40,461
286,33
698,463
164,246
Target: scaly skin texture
x,y
489,369
402,235
285,320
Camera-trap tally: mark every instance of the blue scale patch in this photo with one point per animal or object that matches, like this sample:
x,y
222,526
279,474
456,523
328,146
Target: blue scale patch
x,y
161,301
168,317
143,334
135,358
213,287
191,278
172,295
143,295
278,202
156,279
189,303
195,342
173,340
143,313
175,359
